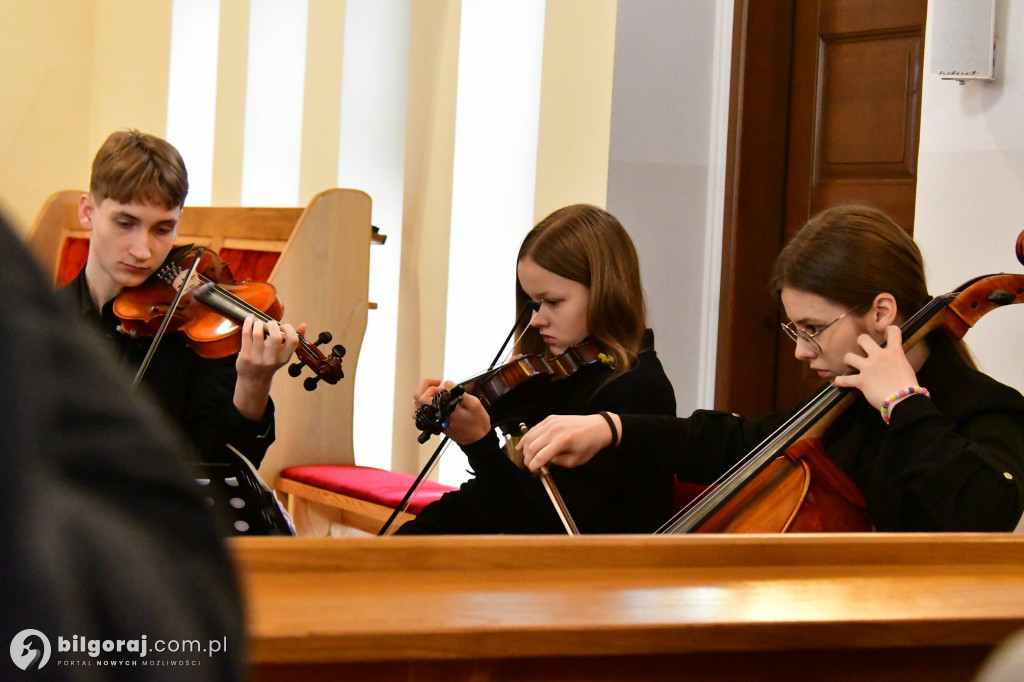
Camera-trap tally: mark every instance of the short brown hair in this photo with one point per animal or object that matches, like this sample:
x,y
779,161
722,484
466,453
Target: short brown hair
x,y
133,167
588,245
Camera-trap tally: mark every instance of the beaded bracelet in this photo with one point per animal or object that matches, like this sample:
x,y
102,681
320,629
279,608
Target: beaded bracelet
x,y
888,403
611,425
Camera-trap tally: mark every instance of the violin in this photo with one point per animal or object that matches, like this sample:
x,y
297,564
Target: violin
x,y
788,483
509,391
211,310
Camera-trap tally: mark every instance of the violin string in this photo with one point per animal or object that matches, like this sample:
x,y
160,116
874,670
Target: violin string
x,y
245,305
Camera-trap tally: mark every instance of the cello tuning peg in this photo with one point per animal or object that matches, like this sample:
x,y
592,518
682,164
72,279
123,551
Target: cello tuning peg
x,y
310,383
338,351
295,369
322,338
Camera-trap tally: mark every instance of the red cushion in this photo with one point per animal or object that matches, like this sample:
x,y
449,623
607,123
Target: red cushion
x,y
381,487
245,263
250,264
73,254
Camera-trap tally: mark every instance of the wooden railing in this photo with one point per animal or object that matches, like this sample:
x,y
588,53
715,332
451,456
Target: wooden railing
x,y
836,607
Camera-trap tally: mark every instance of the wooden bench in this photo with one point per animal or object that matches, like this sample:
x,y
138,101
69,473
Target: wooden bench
x,y
363,497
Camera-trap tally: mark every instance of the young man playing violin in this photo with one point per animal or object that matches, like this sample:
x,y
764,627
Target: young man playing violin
x,y
933,443
131,212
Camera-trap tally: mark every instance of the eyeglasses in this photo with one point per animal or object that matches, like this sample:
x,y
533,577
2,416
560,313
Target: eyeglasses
x,y
800,334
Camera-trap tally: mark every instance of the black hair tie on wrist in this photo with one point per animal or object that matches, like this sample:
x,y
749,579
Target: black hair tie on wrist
x,y
611,425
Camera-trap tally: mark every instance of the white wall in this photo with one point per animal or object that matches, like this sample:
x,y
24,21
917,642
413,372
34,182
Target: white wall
x,y
970,189
669,105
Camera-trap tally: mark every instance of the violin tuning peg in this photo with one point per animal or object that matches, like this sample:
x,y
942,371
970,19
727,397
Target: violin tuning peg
x,y
295,369
338,351
322,338
310,383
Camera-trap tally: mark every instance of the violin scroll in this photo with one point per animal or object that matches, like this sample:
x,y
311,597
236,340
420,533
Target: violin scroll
x,y
327,368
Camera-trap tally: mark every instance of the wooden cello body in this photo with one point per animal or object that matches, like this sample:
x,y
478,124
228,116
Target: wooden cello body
x,y
789,483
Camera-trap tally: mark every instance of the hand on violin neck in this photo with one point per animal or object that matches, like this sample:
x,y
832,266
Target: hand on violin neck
x,y
426,391
468,422
266,347
566,440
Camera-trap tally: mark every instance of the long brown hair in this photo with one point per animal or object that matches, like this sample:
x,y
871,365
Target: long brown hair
x,y
588,245
850,254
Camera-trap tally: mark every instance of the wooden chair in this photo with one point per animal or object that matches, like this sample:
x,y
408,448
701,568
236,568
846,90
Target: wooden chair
x,y
317,257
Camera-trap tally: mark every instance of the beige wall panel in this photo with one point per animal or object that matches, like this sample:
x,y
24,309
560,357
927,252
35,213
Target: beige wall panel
x,y
321,115
131,63
427,206
45,76
229,125
575,104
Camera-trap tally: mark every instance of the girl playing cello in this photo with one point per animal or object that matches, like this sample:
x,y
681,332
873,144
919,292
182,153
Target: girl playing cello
x,y
934,444
579,268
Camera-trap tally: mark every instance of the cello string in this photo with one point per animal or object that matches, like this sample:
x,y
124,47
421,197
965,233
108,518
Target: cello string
x,y
718,491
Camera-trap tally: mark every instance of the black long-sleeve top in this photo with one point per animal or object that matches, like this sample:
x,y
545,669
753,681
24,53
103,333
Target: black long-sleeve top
x,y
954,462
609,494
197,393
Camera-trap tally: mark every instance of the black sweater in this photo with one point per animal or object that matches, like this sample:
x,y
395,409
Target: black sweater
x,y
951,463
196,393
609,494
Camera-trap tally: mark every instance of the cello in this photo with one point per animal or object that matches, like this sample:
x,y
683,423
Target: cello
x,y
788,483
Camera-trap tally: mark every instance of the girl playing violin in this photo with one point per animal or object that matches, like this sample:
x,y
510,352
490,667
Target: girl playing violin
x,y
135,198
934,444
579,268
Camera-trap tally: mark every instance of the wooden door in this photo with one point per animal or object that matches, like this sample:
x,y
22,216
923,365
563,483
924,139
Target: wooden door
x,y
845,123
854,121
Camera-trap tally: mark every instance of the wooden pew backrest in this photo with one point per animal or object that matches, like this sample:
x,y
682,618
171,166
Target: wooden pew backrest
x,y
249,239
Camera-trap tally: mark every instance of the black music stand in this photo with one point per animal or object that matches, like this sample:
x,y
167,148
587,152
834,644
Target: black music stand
x,y
242,501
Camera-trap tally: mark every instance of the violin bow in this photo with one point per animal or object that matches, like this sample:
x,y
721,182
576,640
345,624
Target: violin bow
x,y
426,433
556,498
144,365
558,502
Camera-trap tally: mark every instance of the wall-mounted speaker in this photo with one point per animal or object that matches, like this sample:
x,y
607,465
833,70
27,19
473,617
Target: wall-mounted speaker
x,y
963,39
